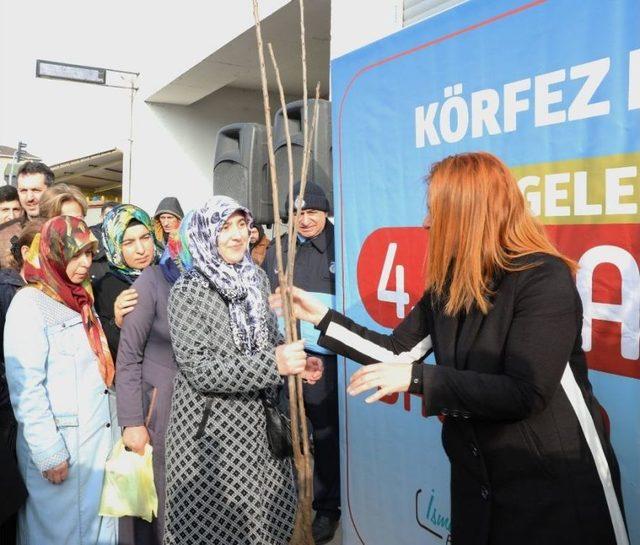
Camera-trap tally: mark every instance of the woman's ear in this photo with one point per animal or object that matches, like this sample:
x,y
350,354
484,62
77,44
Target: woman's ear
x,y
24,250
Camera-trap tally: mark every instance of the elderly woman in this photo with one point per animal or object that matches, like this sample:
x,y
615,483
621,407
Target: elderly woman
x,y
223,483
59,371
146,369
130,246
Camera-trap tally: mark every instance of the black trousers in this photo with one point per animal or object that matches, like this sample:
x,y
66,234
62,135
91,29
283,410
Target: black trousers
x,y
13,490
321,404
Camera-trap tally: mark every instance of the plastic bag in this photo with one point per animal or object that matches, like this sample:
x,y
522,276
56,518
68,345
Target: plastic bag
x,y
128,488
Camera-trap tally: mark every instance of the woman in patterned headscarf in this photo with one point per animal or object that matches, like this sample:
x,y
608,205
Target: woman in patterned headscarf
x,y
146,369
223,483
130,247
59,370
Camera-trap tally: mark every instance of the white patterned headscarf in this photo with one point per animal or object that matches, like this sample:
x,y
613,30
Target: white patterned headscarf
x,y
240,284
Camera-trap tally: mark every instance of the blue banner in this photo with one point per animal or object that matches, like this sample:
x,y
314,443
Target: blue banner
x,y
552,87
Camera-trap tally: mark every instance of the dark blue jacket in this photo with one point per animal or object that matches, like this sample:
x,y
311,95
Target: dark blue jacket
x,y
10,283
314,272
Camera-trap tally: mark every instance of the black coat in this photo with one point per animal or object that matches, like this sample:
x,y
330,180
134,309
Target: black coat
x,y
11,484
513,388
106,291
13,489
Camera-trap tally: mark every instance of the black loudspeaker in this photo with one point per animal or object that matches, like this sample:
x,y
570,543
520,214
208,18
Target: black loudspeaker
x,y
240,168
320,164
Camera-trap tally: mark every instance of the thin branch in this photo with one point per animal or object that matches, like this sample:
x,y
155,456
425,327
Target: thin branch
x,y
272,159
303,47
302,533
276,210
287,134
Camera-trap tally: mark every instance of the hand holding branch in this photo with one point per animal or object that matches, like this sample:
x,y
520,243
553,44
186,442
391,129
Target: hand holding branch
x,y
305,306
293,360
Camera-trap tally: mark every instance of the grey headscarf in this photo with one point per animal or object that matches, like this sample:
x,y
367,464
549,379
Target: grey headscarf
x,y
240,284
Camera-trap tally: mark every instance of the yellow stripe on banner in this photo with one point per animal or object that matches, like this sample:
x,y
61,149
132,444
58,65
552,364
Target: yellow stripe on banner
x,y
588,190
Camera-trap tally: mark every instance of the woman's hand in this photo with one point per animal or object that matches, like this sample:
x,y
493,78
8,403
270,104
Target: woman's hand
x,y
313,371
135,438
305,306
291,358
390,378
124,304
57,474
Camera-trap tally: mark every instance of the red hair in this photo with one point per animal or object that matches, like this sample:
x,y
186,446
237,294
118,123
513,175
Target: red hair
x,y
480,225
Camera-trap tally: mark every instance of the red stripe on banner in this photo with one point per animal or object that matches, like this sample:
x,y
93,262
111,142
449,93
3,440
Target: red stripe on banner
x,y
609,278
609,254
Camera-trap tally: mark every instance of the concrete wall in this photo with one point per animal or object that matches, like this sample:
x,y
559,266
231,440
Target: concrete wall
x,y
174,145
356,23
183,34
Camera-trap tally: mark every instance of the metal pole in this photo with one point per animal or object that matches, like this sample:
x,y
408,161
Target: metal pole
x,y
13,167
133,90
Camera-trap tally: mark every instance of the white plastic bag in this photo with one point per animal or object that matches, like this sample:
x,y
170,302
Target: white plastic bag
x,y
128,488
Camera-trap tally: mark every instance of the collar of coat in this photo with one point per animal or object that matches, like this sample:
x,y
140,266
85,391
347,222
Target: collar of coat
x,y
320,243
454,346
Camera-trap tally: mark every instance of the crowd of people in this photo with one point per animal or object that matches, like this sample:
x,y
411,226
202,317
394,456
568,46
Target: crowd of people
x,y
164,331
153,330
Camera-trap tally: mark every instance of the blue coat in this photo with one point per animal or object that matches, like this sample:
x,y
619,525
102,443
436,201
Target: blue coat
x,y
64,412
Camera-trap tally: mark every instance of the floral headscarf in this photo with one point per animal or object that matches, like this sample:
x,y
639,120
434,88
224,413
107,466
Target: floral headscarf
x,y
60,239
240,284
176,258
113,227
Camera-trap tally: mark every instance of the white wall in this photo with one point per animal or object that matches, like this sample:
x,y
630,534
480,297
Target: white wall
x,y
356,23
182,34
174,145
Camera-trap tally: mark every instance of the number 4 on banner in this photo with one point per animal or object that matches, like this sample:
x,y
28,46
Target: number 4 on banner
x,y
397,296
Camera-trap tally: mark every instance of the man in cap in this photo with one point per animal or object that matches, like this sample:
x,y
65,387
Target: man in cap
x,y
167,218
315,272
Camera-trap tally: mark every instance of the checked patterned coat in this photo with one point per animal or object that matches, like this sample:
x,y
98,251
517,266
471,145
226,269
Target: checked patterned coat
x,y
223,485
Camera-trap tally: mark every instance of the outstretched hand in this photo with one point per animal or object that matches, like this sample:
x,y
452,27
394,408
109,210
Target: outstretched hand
x,y
305,306
389,378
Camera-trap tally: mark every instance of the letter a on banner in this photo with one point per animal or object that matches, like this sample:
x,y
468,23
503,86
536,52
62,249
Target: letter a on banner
x,y
627,313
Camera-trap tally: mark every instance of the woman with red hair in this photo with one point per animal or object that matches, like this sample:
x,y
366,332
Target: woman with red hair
x,y
531,462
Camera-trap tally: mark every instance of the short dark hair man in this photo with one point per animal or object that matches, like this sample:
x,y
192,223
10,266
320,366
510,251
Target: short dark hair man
x,y
315,272
33,178
10,208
